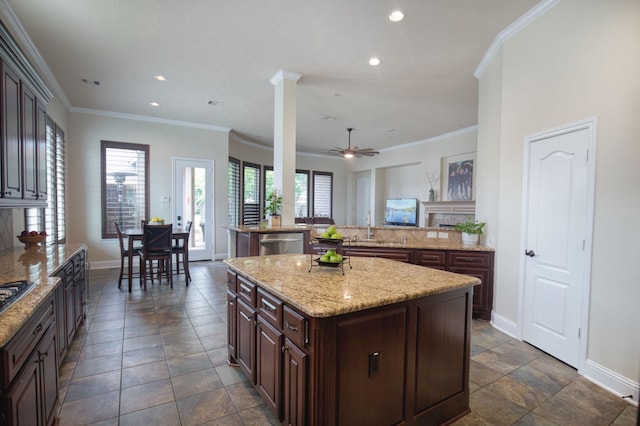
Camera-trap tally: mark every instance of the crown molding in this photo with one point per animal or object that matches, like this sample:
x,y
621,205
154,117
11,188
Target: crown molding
x,y
518,25
147,119
42,85
433,139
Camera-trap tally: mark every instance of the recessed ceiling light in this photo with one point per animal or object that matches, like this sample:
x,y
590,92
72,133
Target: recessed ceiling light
x,y
374,62
396,16
154,104
160,77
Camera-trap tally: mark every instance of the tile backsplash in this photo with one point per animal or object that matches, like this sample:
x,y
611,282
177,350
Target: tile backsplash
x,y
6,229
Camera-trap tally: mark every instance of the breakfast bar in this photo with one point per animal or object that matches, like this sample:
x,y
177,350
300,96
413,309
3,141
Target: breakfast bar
x,y
385,343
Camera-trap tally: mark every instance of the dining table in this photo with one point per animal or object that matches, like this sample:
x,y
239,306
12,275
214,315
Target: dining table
x,y
178,234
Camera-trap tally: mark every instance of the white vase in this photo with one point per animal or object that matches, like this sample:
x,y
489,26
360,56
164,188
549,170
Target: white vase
x,y
470,239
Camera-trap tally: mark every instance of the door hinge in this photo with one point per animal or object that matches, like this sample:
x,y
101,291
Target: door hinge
x,y
587,156
579,333
584,243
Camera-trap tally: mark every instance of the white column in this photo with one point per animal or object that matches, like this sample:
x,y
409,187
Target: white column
x,y
284,140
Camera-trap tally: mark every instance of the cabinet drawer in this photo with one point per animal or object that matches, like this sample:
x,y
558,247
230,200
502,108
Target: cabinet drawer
x,y
269,307
78,263
294,326
401,255
247,291
16,352
469,258
431,258
232,281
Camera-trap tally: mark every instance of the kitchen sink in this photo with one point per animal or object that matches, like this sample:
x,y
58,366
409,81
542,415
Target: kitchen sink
x,y
12,291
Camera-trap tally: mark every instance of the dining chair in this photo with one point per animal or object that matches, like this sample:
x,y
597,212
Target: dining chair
x,y
156,245
181,248
124,252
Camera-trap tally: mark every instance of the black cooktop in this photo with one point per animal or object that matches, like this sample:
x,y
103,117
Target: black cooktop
x,y
11,292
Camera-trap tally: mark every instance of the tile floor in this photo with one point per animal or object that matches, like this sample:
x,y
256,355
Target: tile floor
x,y
159,358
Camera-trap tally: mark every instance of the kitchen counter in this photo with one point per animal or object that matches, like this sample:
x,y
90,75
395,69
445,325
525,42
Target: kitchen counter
x,y
267,229
325,292
36,266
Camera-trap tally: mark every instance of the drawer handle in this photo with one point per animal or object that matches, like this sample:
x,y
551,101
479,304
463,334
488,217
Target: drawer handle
x,y
267,306
291,327
469,259
231,303
431,257
245,316
244,290
38,329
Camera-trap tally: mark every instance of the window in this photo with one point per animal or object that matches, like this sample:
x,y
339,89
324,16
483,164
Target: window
x,y
125,183
234,191
301,205
269,184
323,194
250,194
52,219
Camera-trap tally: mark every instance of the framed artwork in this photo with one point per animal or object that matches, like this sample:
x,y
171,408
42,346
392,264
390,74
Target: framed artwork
x,y
457,177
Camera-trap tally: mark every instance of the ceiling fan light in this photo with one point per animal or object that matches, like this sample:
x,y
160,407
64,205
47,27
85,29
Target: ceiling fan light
x,y
348,155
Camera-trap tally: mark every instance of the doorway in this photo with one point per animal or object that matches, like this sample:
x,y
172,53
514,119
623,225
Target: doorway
x,y
363,200
559,196
193,201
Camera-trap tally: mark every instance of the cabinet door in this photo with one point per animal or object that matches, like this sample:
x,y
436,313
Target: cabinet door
x,y
371,353
49,376
482,295
294,392
29,144
23,400
401,255
11,143
231,325
41,151
268,364
61,316
78,290
69,307
246,337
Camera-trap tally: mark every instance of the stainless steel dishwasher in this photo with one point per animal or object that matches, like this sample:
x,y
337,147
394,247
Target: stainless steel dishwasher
x,y
281,243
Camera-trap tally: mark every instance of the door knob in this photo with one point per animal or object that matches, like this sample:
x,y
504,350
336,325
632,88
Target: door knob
x,y
530,253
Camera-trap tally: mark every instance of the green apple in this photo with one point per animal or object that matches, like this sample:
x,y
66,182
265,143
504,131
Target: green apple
x,y
338,256
326,235
331,252
333,259
331,229
325,258
336,236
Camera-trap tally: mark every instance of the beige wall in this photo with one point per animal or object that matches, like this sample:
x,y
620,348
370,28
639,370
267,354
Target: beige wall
x,y
83,136
578,61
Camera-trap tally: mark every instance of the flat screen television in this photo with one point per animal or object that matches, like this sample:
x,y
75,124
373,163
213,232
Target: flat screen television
x,y
401,211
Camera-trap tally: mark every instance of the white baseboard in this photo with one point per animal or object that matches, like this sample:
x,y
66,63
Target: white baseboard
x,y
611,381
505,325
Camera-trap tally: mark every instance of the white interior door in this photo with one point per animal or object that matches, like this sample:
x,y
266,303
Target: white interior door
x,y
556,232
193,201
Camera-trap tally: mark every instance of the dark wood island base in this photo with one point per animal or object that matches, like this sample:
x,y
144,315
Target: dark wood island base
x,y
352,357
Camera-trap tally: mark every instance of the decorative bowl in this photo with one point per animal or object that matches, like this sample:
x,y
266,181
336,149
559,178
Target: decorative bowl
x,y
31,240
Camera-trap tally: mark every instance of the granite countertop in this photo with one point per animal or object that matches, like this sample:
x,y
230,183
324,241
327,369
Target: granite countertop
x,y
267,229
325,292
433,244
36,266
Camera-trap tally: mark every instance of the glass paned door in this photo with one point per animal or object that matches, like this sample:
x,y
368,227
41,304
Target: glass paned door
x,y
193,201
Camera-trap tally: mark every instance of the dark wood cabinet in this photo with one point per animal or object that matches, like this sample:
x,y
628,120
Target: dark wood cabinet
x,y
31,395
406,363
294,386
11,144
475,263
401,255
480,265
23,143
269,364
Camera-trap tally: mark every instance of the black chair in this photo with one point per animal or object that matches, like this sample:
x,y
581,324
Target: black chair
x,y
181,248
124,252
156,245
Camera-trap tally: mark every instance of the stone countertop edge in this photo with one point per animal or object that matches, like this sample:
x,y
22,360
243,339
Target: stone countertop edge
x,y
430,245
11,269
268,229
324,292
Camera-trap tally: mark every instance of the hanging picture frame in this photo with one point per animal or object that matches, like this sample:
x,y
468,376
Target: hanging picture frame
x,y
456,179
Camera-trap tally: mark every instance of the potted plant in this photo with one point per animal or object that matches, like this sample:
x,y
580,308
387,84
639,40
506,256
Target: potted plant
x,y
274,203
471,230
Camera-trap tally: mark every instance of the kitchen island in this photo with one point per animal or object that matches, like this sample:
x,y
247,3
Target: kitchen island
x,y
266,240
385,343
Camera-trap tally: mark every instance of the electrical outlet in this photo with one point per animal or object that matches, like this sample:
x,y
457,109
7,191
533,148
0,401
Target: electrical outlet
x,y
443,235
432,234
165,199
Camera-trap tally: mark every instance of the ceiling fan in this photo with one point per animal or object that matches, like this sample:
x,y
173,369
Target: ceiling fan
x,y
354,151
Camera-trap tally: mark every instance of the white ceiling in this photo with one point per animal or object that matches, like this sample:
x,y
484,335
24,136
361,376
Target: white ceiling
x,y
226,52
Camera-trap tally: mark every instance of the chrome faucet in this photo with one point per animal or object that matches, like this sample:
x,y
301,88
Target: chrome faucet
x,y
369,233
